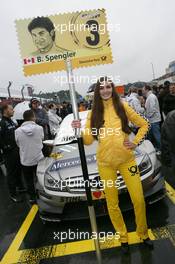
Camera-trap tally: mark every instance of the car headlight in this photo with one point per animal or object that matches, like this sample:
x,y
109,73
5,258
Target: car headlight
x,y
145,165
53,184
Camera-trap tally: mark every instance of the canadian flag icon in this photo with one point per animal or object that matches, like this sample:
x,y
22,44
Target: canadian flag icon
x,y
29,60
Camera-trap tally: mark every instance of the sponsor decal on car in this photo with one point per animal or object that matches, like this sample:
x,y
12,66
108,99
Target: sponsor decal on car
x,y
69,163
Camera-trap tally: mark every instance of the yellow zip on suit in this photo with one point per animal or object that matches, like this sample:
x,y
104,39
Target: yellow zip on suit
x,y
112,155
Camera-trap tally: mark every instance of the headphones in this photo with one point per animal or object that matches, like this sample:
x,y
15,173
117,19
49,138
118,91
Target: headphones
x,y
33,99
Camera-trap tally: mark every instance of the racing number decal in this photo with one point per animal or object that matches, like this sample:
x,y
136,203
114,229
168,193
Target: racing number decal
x,y
94,31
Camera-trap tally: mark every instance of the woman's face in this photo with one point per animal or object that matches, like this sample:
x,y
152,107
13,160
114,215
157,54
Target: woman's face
x,y
105,90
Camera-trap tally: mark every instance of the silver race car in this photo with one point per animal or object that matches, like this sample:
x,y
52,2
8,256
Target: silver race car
x,y
60,185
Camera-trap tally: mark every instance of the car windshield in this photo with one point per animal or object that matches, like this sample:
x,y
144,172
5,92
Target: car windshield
x,y
65,133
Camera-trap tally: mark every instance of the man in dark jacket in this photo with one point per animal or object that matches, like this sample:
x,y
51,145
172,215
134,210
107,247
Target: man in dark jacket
x,y
169,100
10,153
41,116
64,110
168,143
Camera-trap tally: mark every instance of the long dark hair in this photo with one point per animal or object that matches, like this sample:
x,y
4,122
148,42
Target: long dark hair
x,y
97,117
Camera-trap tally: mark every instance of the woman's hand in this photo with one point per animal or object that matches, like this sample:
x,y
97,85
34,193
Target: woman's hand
x,y
76,124
129,145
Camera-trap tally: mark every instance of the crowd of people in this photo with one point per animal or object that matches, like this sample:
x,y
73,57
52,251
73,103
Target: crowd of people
x,y
21,144
155,103
150,110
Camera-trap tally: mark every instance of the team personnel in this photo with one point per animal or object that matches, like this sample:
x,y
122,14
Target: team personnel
x,y
152,112
169,100
134,102
29,137
54,119
41,116
11,153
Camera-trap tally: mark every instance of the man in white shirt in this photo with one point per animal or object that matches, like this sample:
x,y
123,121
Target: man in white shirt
x,y
54,119
134,102
152,112
29,137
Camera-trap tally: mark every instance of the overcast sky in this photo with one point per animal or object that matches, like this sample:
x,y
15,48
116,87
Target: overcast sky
x,y
146,35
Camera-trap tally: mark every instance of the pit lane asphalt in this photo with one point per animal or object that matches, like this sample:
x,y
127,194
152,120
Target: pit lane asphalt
x,y
25,239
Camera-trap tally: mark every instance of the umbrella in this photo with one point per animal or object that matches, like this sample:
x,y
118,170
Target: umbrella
x,y
91,88
19,109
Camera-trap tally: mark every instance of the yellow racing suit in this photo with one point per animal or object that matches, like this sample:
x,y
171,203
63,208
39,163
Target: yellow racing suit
x,y
112,155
